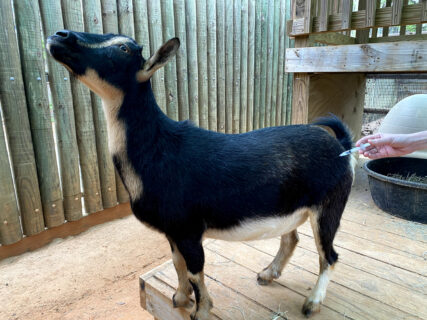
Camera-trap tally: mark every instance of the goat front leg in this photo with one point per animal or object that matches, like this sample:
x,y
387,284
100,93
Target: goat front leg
x,y
192,251
181,298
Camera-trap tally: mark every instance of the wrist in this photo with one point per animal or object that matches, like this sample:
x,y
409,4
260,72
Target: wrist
x,y
418,140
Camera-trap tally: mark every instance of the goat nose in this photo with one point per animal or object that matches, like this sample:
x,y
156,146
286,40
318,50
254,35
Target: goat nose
x,y
63,33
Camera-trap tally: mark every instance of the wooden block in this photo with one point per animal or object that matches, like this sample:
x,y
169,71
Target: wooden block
x,y
378,57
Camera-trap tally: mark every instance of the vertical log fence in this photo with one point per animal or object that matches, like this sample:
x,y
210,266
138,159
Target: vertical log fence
x,y
228,76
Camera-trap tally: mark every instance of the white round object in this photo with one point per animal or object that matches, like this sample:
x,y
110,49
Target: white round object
x,y
407,116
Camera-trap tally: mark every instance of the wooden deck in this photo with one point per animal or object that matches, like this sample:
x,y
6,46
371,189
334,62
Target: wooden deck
x,y
381,272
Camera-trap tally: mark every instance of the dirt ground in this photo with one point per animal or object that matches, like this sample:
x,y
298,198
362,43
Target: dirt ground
x,y
93,275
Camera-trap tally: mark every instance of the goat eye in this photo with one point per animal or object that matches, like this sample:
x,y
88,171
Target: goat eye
x,y
124,48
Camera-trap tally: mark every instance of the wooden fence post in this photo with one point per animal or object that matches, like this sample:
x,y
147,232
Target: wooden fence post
x,y
10,226
93,23
73,20
251,65
59,82
156,40
237,26
269,57
193,73
257,68
15,114
229,66
125,14
202,63
220,63
171,90
263,77
181,60
28,23
243,111
212,72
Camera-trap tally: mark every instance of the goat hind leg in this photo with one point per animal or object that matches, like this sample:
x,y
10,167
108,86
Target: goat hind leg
x,y
325,224
185,289
288,243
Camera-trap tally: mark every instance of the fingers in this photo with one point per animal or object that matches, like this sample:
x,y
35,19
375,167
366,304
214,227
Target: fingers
x,y
366,138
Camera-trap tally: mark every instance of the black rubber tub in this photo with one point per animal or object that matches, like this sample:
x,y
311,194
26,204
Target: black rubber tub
x,y
398,197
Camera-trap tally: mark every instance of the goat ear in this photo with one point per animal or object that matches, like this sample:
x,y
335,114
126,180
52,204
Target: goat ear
x,y
158,59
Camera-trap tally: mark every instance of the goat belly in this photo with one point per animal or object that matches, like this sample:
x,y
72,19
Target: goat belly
x,y
261,227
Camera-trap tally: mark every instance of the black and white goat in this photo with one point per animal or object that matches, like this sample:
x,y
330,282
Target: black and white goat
x,y
190,183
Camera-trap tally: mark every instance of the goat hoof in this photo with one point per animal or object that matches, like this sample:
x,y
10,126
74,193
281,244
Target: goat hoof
x,y
263,281
310,307
180,300
200,315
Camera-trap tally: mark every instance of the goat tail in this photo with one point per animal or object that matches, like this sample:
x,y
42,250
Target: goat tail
x,y
342,132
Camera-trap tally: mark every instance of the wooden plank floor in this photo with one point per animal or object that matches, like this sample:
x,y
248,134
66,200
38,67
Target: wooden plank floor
x,y
381,272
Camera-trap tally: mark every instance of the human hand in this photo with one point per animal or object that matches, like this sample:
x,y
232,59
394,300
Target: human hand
x,y
386,145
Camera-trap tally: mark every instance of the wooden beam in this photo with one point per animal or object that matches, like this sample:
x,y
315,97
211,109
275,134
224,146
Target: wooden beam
x,y
301,87
415,37
411,14
65,230
330,39
378,57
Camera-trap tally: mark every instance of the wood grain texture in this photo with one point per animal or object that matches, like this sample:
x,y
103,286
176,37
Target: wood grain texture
x,y
411,14
301,86
257,68
140,17
10,226
396,12
263,76
220,63
181,60
275,110
340,94
244,67
110,21
28,22
237,18
73,20
375,57
269,62
171,90
212,65
202,63
156,41
14,107
281,63
347,9
93,23
193,73
125,16
229,66
60,87
251,65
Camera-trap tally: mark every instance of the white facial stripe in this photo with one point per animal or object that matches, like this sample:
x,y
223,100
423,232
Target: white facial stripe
x,y
104,44
264,228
